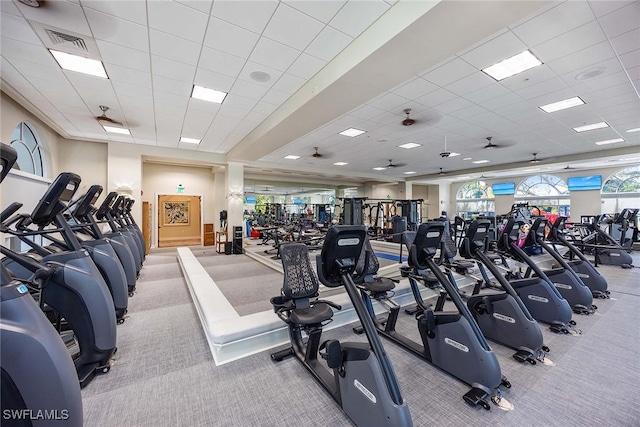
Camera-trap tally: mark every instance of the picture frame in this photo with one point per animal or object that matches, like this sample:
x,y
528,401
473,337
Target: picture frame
x,y
175,213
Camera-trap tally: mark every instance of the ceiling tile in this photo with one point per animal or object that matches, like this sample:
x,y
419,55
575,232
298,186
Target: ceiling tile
x,y
292,28
230,38
467,112
581,59
449,72
113,53
626,42
16,28
601,82
416,88
453,105
328,44
357,16
196,123
201,5
264,108
601,8
500,101
622,20
470,83
631,59
10,7
528,78
390,102
174,48
172,69
289,83
249,89
251,15
220,62
177,19
240,102
87,81
275,97
176,87
548,86
436,97
481,95
212,80
570,42
306,66
59,14
322,10
13,49
129,10
366,112
232,112
128,75
500,48
126,89
118,31
552,23
273,54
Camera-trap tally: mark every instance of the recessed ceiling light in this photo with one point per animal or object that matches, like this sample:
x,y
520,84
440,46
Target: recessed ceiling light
x,y
410,173
112,129
593,126
453,154
352,132
561,105
633,130
409,145
206,94
514,65
589,74
531,170
341,163
291,157
79,64
477,162
609,141
379,169
189,140
467,158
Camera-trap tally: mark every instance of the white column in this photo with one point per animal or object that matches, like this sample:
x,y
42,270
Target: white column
x,y
444,194
234,183
406,190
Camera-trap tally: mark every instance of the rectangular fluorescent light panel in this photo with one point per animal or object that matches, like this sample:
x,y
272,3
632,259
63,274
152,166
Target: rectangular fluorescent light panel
x,y
189,140
409,145
121,131
352,132
591,127
206,94
609,141
633,130
410,173
291,157
379,169
453,154
79,64
514,65
477,162
341,163
562,105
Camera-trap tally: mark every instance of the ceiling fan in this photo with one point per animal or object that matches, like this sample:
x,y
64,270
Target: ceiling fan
x,y
490,145
442,172
395,165
104,120
535,158
319,155
408,121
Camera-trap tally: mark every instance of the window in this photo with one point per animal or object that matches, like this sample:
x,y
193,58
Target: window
x,y
475,198
27,144
621,190
547,192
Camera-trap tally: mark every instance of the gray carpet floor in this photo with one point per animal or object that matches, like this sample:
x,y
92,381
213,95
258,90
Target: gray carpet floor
x,y
165,375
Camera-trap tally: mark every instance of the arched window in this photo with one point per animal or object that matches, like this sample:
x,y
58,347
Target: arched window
x,y
475,198
26,142
547,192
621,190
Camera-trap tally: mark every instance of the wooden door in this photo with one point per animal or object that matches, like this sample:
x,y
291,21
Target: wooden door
x,y
146,226
179,221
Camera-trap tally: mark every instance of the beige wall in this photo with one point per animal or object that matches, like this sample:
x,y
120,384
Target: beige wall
x,y
164,179
87,159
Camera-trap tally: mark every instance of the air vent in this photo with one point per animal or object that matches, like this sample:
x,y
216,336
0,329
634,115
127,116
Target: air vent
x,y
58,38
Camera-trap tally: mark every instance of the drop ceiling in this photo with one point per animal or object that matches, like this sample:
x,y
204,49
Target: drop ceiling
x,y
333,65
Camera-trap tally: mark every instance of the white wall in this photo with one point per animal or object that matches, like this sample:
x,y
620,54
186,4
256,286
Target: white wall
x,y
164,179
585,203
87,159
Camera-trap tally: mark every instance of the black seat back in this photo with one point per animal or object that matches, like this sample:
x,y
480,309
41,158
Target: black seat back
x,y
8,157
52,202
426,243
300,281
475,238
368,263
340,254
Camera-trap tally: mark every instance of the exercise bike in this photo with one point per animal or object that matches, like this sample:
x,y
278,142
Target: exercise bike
x,y
360,377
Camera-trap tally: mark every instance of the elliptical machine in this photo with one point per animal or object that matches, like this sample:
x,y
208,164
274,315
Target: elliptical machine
x,y
451,340
361,380
76,291
582,266
538,294
564,278
36,372
121,211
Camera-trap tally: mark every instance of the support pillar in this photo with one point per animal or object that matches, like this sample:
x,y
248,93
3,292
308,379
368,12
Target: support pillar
x,y
234,184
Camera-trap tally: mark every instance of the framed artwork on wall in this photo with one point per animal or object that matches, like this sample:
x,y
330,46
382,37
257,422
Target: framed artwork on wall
x,y
175,213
